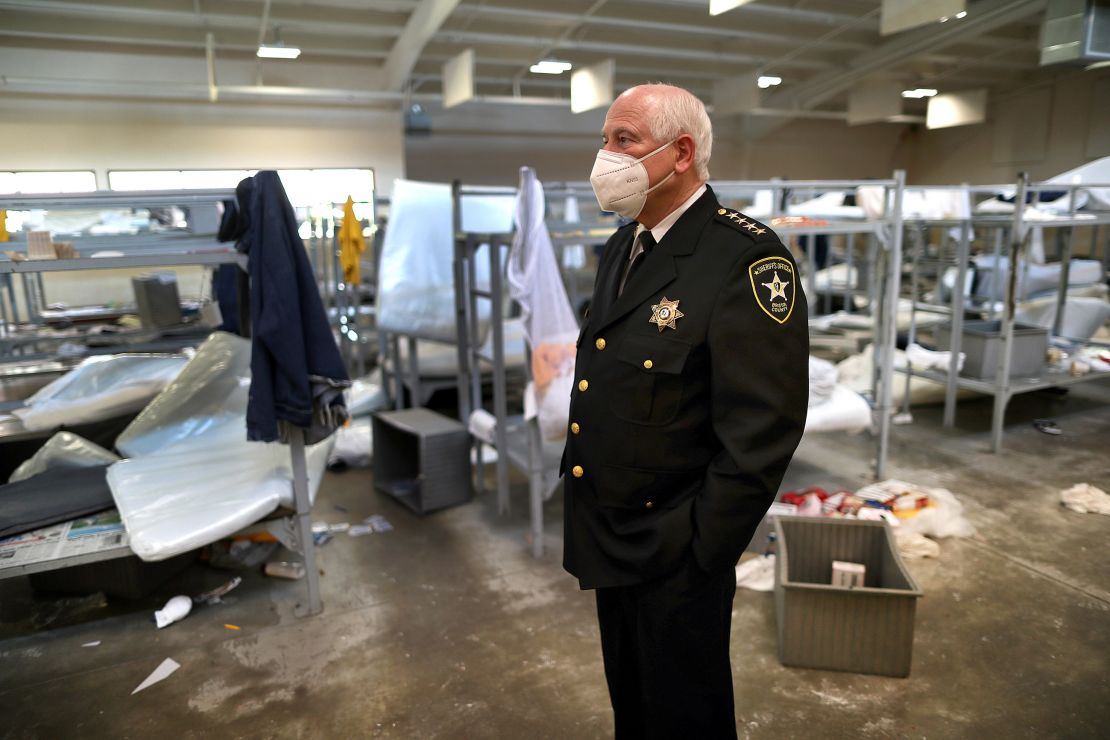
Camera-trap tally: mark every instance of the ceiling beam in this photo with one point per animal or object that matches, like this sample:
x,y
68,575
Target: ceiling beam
x,y
790,13
423,24
18,24
709,29
983,16
215,16
470,38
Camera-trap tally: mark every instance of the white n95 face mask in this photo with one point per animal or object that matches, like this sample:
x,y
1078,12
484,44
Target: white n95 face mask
x,y
620,181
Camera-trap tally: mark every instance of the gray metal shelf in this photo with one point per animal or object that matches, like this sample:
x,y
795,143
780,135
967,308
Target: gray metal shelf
x,y
1003,387
137,261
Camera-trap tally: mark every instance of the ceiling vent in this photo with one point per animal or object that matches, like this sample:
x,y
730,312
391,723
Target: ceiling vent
x,y
1076,32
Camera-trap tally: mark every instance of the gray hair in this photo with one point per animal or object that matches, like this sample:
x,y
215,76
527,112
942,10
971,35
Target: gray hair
x,y
676,111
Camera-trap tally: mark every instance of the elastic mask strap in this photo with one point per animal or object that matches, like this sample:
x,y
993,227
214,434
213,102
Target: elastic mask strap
x,y
652,154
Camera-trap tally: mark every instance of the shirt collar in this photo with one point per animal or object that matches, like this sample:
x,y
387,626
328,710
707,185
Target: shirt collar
x,y
665,225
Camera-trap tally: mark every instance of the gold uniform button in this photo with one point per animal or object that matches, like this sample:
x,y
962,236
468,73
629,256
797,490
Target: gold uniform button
x,y
722,212
574,428
648,505
648,364
577,471
600,343
583,385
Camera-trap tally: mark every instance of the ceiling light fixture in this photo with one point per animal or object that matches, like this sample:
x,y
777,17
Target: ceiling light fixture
x,y
920,92
766,81
716,7
961,14
278,51
550,67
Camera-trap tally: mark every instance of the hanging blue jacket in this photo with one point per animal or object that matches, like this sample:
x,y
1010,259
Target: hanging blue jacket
x,y
297,374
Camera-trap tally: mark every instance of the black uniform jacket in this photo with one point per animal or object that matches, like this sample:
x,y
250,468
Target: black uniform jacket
x,y
690,397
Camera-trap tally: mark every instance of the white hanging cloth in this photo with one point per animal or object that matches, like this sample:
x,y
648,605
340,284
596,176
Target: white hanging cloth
x,y
548,319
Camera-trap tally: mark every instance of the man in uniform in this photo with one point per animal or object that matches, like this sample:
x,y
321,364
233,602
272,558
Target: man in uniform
x,y
689,400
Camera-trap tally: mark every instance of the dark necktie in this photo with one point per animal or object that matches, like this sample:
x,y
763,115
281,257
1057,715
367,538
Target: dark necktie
x,y
647,243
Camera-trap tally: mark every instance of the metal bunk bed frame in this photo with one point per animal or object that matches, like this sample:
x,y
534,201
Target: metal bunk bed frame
x,y
1016,231
295,530
521,444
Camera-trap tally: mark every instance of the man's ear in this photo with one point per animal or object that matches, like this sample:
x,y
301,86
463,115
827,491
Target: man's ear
x,y
686,148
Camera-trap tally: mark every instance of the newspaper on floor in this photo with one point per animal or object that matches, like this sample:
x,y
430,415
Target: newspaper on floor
x,y
97,534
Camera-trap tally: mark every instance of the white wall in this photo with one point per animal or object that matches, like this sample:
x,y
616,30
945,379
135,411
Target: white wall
x,y
65,135
44,135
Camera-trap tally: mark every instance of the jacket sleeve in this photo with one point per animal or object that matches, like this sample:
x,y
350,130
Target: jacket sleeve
x,y
759,386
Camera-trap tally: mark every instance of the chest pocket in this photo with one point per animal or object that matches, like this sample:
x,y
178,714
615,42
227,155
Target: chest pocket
x,y
650,387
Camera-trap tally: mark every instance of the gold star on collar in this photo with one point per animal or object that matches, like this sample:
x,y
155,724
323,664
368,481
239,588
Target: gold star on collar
x,y
665,313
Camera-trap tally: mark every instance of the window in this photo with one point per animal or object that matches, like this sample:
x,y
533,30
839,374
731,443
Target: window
x,y
78,181
305,187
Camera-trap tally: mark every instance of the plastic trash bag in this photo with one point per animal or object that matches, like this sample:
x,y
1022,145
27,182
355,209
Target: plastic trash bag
x,y
354,445
63,450
99,388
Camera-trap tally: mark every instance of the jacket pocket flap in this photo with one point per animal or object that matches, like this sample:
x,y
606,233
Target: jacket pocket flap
x,y
654,354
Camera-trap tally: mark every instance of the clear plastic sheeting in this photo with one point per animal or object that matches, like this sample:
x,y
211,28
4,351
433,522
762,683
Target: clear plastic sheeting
x,y
193,478
1083,317
416,283
208,397
198,492
63,450
1033,280
99,388
365,396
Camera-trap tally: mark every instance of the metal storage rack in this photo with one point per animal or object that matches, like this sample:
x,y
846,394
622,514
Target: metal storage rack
x,y
883,255
294,530
1014,231
152,250
519,441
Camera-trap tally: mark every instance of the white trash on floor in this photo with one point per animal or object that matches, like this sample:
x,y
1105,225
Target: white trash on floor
x,y
1086,499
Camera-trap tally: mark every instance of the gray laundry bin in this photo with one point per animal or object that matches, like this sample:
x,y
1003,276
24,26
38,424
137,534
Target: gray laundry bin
x,y
862,630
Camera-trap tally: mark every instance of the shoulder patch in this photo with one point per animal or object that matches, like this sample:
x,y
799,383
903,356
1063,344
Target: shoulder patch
x,y
774,284
742,223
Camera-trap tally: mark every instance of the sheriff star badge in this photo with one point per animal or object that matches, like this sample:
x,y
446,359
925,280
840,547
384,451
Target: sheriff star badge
x,y
665,313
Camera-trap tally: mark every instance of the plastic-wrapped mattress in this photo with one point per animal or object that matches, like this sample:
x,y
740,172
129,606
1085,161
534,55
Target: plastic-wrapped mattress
x,y
99,388
192,477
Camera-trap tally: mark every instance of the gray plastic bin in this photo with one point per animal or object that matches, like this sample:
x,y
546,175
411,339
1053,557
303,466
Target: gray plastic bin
x,y
421,458
862,630
982,342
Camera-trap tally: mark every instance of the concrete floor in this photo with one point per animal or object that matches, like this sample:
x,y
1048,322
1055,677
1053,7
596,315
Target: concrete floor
x,y
447,628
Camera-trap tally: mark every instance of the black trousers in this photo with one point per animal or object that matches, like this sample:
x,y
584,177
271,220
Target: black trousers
x,y
666,650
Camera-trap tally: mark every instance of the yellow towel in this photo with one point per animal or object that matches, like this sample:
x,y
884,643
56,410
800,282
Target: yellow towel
x,y
3,225
351,244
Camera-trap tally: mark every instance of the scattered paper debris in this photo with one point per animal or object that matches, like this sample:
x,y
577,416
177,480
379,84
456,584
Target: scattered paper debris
x,y
757,574
175,610
914,546
360,530
322,538
94,643
214,596
280,569
1086,499
379,523
235,627
161,673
